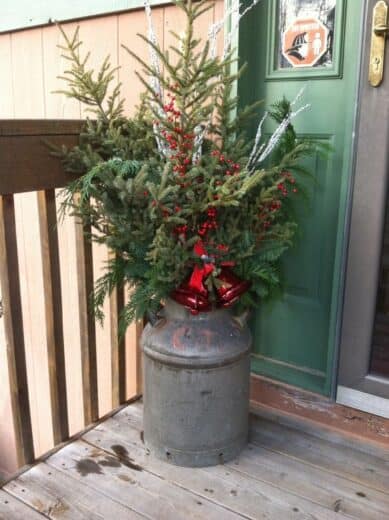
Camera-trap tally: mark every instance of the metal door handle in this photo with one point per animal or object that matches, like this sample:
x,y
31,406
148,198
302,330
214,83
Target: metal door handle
x,y
379,33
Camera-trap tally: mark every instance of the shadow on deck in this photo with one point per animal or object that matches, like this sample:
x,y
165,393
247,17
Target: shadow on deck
x,y
282,474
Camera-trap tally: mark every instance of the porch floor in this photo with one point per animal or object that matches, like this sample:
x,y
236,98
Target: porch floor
x,y
284,473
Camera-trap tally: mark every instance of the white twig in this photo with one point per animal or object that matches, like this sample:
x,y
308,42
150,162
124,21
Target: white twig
x,y
278,133
155,83
199,131
299,95
213,31
236,16
260,153
256,148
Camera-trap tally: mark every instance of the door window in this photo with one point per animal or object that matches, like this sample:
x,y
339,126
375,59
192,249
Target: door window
x,y
305,39
306,29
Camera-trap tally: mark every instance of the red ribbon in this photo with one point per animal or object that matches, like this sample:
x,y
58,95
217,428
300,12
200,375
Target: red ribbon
x,y
199,274
193,294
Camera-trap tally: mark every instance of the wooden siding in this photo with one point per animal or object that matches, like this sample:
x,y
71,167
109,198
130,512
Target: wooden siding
x,y
30,63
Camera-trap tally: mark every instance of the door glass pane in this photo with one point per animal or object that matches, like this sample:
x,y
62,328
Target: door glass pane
x,y
379,363
306,29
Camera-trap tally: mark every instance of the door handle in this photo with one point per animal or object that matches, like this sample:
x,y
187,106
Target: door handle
x,y
379,33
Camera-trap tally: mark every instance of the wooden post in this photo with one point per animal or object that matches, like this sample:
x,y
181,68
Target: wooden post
x,y
13,325
53,314
87,325
118,357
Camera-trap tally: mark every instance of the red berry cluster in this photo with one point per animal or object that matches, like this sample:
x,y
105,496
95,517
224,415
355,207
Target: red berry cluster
x,y
268,211
179,142
231,168
169,108
210,223
288,179
181,230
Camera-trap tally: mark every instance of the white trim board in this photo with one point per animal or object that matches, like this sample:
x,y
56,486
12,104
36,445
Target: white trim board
x,y
362,401
24,14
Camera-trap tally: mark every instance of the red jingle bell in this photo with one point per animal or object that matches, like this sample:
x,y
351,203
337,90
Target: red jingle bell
x,y
231,288
190,299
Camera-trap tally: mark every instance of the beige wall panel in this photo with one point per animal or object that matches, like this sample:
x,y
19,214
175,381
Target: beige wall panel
x,y
218,14
27,79
71,321
57,106
133,359
8,459
100,37
103,338
32,294
6,94
27,74
100,48
174,20
129,25
61,107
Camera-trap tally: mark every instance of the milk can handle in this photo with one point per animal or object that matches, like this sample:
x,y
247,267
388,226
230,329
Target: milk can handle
x,y
156,318
241,320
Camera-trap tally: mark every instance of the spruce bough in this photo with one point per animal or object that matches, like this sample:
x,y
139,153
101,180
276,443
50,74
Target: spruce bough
x,y
181,176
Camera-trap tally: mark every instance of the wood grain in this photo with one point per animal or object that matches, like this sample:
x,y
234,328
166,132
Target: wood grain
x,y
109,471
365,469
54,64
87,325
118,352
107,47
13,324
294,474
36,169
40,127
58,496
13,509
129,25
317,413
221,484
6,91
134,486
27,65
53,314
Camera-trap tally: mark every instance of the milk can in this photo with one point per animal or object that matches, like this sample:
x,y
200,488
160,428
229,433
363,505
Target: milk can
x,y
196,386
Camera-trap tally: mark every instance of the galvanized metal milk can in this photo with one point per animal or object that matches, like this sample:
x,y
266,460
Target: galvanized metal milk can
x,y
196,386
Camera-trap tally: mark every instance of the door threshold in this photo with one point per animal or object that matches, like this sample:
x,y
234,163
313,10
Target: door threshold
x,y
363,401
318,415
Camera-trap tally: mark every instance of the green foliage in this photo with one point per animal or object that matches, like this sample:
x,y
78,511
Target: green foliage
x,y
151,208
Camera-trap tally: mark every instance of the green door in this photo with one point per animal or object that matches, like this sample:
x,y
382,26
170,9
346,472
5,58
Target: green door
x,y
289,44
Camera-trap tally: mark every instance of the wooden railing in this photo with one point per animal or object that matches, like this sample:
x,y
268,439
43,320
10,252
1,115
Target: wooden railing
x,y
25,166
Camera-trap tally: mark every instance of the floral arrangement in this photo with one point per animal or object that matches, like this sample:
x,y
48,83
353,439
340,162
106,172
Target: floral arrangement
x,y
192,207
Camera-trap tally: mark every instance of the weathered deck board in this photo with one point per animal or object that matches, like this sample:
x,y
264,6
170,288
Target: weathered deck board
x,y
332,491
13,509
266,466
221,484
56,495
282,474
363,468
130,484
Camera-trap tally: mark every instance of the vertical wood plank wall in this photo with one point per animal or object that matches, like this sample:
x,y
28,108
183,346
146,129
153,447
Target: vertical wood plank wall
x,y
30,63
